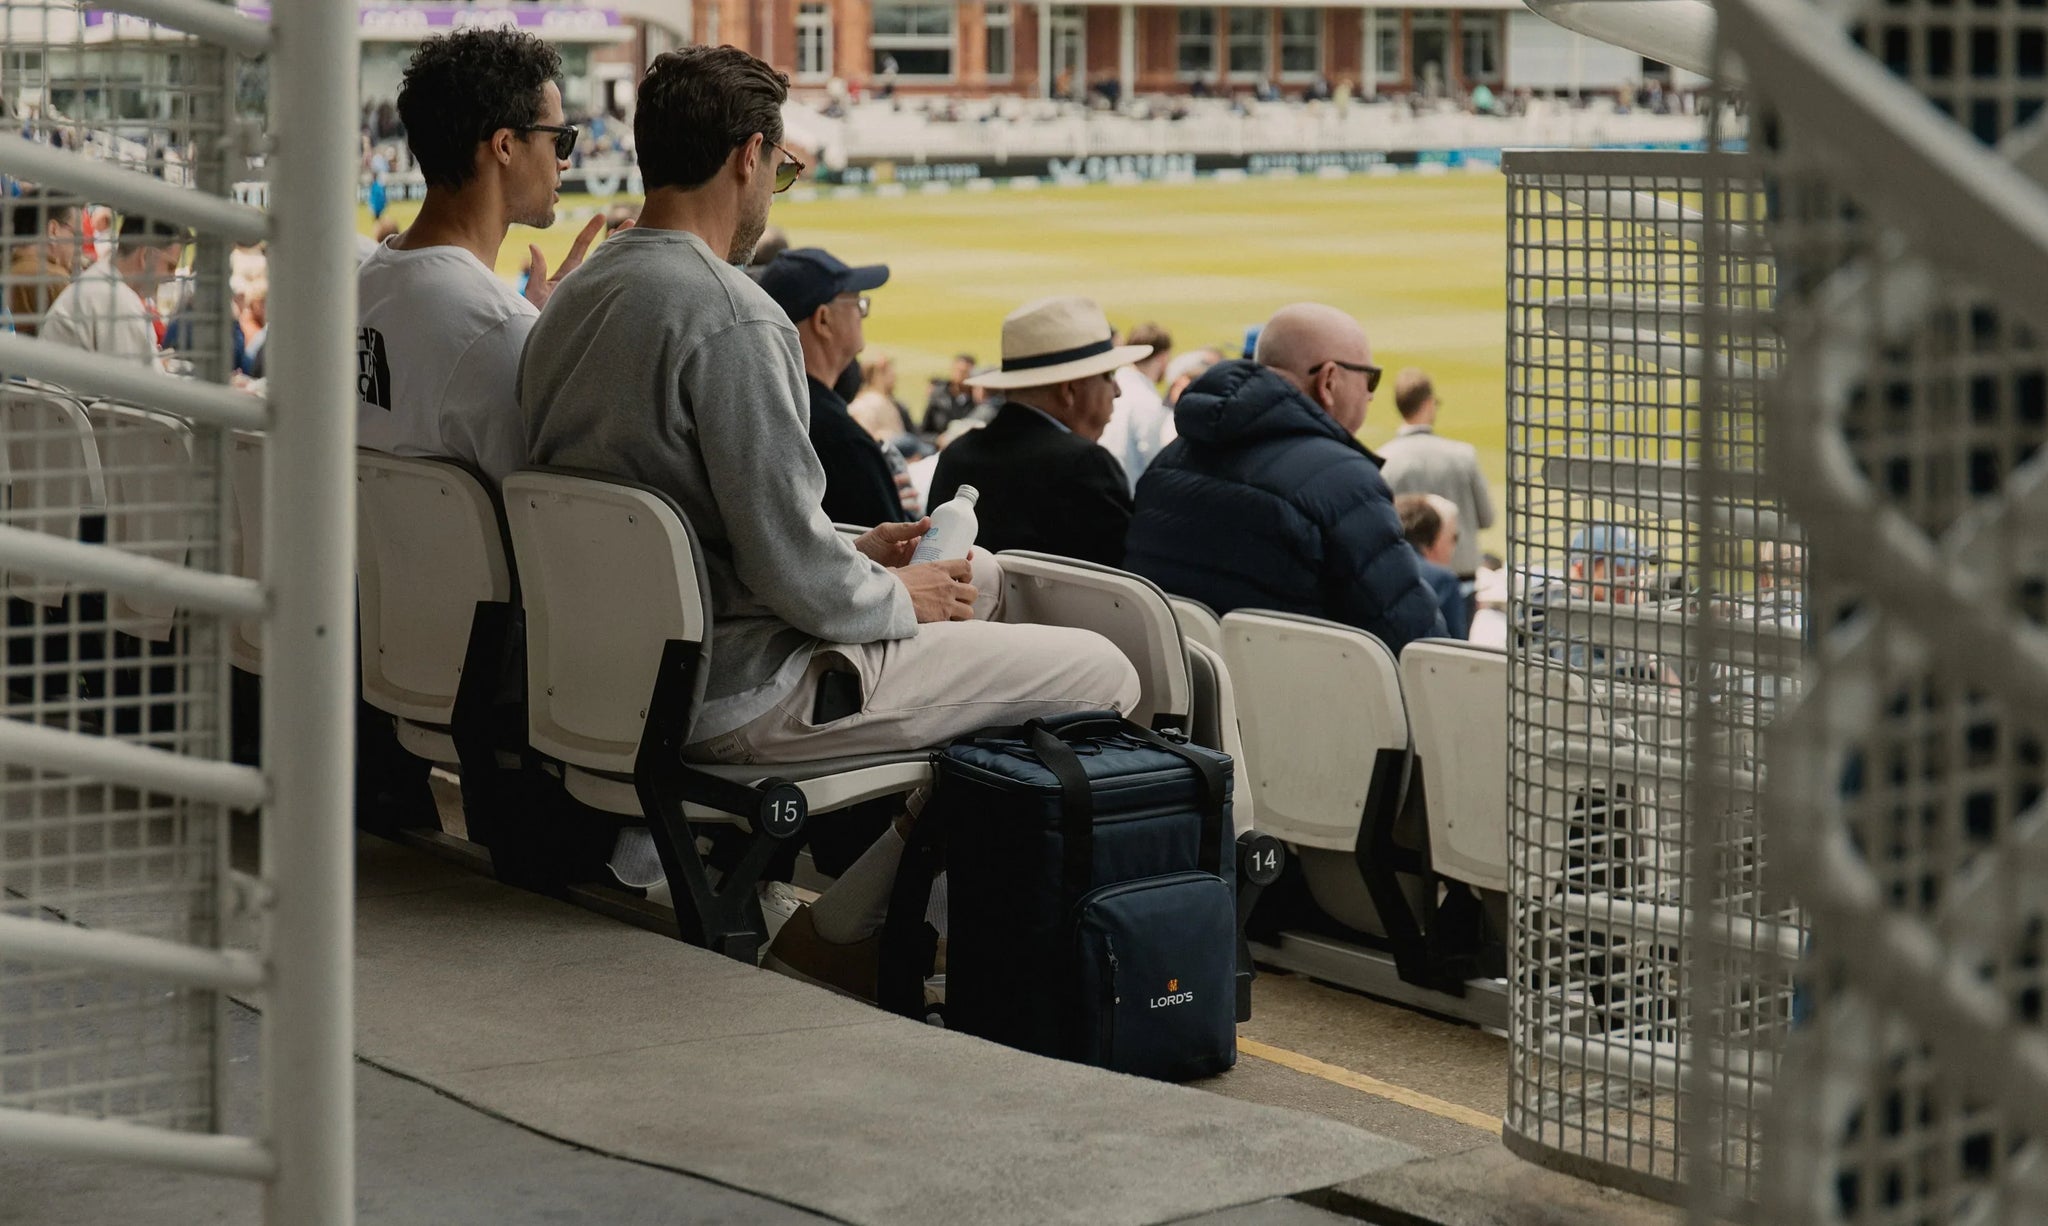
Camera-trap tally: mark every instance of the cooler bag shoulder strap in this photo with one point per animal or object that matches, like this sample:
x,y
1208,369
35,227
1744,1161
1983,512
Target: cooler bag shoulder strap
x,y
907,942
1077,811
1214,792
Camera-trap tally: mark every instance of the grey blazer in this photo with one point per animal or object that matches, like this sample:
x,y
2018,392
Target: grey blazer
x,y
1418,461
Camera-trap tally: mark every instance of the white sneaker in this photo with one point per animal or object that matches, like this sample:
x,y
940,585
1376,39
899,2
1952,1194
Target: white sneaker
x,y
779,901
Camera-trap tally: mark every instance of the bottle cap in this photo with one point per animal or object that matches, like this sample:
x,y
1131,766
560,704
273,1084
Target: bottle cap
x,y
967,494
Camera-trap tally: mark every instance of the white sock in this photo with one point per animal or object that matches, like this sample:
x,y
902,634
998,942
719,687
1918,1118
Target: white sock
x,y
857,905
634,860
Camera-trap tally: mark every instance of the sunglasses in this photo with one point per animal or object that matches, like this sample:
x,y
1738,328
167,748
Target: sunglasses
x,y
1371,373
565,137
786,176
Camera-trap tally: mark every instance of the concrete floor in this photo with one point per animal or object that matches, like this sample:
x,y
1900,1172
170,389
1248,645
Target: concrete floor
x,y
1424,1093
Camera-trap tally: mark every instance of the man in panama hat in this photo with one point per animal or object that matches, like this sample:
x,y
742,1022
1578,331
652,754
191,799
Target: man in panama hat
x,y
1045,484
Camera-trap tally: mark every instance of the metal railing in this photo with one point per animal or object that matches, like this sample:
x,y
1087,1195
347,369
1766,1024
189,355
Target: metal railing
x,y
121,918
1655,594
1907,429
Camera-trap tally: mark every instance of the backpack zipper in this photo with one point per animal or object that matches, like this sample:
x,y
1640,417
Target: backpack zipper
x,y
1114,998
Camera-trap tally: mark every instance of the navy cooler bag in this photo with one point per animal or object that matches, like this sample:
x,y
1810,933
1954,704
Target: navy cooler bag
x,y
1091,912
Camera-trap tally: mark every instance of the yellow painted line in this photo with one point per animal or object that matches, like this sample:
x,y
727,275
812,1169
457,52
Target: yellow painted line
x,y
1345,1077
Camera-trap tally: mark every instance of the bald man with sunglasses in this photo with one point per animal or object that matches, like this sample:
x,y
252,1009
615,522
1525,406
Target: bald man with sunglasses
x,y
1267,500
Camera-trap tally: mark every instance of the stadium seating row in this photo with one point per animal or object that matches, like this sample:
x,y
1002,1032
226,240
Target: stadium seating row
x,y
607,581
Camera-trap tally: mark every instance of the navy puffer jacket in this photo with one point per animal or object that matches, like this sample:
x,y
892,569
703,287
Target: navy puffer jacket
x,y
1263,502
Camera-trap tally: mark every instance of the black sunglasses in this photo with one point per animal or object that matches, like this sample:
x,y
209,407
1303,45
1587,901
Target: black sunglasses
x,y
1371,373
565,137
786,174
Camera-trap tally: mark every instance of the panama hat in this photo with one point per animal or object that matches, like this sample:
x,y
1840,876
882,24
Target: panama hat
x,y
1053,340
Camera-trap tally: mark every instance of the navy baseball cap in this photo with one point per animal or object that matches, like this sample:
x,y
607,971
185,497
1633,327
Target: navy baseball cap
x,y
803,279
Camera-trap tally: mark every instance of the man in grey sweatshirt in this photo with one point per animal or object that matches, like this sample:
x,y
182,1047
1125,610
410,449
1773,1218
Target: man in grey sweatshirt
x,y
661,362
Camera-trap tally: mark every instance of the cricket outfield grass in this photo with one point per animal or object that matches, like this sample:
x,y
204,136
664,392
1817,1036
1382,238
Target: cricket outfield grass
x,y
1418,259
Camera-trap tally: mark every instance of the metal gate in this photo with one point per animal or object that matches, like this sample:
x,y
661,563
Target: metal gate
x,y
142,557
1903,147
1655,600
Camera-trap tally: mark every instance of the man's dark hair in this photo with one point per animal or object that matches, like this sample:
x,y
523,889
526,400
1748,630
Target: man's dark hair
x,y
33,209
1419,521
1412,390
462,87
139,231
695,105
1152,334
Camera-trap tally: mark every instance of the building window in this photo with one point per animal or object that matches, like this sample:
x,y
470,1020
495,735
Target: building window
x,y
1301,42
1251,33
1386,47
1479,34
813,42
1196,42
917,39
1002,25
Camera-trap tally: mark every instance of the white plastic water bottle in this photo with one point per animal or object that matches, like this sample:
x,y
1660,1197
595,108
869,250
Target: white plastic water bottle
x,y
952,531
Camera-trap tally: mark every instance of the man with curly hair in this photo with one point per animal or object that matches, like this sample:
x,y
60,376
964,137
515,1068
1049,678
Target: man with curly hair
x,y
439,333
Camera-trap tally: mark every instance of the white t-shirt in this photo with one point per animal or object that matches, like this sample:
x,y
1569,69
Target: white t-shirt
x,y
437,358
1139,425
102,313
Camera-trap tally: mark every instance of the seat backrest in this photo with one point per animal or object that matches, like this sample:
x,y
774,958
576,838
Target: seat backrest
x,y
1214,725
1316,703
152,503
429,547
245,543
1198,623
609,572
1458,709
53,470
1130,611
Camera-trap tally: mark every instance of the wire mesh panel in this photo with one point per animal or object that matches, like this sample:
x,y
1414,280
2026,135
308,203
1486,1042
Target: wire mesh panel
x,y
126,663
1907,424
1649,587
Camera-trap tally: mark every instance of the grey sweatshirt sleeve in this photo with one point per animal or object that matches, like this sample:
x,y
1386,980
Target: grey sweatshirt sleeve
x,y
747,386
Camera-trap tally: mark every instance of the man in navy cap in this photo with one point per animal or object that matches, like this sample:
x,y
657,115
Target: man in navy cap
x,y
827,300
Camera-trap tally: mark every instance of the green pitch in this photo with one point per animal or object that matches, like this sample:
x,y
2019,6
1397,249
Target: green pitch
x,y
1418,260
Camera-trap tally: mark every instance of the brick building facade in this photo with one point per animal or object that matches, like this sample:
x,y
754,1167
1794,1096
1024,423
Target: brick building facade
x,y
977,47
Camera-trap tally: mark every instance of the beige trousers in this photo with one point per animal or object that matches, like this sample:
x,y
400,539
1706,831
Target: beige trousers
x,y
952,678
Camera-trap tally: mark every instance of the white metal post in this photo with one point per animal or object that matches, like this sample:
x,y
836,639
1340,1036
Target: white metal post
x,y
1368,64
309,676
1127,53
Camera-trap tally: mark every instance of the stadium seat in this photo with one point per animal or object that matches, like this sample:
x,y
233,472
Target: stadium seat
x,y
1326,739
1259,856
1198,623
1039,589
152,495
49,435
1457,710
435,611
1214,725
618,621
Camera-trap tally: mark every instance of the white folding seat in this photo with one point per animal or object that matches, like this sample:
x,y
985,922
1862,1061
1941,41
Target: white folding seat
x,y
1198,623
1214,726
430,549
54,474
1130,611
1457,711
618,630
152,501
1326,738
